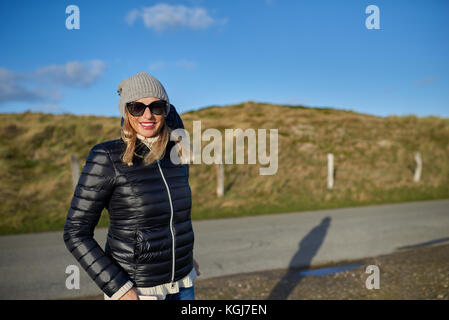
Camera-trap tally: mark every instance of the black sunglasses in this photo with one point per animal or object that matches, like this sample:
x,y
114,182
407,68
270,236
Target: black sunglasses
x,y
137,109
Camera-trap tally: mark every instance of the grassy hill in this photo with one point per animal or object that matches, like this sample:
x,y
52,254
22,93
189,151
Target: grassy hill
x,y
374,159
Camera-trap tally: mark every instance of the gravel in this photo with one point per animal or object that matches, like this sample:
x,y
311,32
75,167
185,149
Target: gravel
x,y
417,273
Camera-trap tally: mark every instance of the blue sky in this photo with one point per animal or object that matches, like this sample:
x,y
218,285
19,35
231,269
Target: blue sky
x,y
218,52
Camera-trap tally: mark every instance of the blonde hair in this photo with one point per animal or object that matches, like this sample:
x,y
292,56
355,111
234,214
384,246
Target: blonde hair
x,y
129,136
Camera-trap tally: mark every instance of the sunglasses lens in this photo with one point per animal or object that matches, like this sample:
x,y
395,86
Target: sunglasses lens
x,y
138,108
158,107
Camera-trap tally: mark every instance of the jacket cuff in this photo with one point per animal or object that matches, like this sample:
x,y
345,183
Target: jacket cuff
x,y
124,289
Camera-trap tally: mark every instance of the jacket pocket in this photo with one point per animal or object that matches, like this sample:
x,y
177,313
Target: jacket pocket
x,y
153,244
119,247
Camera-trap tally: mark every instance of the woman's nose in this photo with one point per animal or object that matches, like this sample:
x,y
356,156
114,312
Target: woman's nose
x,y
147,113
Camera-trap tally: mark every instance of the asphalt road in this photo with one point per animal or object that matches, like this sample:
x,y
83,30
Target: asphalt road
x,y
32,266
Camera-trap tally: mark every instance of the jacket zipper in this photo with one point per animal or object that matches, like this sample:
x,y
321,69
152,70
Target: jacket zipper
x,y
171,225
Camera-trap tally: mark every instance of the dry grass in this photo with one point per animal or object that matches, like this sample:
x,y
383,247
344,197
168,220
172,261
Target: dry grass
x,y
374,159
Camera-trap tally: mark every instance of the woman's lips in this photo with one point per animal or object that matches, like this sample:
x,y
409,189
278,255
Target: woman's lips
x,y
147,125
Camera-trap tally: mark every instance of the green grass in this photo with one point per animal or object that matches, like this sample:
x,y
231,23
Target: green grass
x,y
299,204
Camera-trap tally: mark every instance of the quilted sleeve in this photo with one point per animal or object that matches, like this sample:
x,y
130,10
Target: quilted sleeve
x,y
90,197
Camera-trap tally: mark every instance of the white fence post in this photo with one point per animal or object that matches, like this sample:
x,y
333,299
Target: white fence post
x,y
418,169
220,180
75,170
330,170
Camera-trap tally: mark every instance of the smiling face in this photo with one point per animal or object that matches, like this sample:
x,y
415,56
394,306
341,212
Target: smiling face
x,y
148,124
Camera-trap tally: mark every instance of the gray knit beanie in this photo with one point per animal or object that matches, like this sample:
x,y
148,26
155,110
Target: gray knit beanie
x,y
139,86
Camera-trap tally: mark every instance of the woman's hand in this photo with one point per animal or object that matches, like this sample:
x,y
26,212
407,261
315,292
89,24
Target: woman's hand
x,y
197,268
131,294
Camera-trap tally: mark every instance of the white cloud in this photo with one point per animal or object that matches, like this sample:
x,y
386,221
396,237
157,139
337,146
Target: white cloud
x,y
132,16
73,73
44,83
13,87
427,80
157,65
162,16
187,64
182,63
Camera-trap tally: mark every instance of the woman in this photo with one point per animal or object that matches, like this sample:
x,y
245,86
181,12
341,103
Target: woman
x,y
149,247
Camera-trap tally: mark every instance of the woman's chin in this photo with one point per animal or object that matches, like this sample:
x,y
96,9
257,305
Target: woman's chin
x,y
148,133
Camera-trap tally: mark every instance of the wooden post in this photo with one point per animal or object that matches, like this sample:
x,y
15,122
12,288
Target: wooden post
x,y
75,170
330,170
220,180
418,169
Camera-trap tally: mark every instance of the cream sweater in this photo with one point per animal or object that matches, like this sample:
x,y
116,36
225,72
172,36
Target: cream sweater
x,y
157,292
148,141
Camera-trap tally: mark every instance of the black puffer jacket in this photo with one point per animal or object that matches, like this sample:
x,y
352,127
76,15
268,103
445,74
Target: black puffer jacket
x,y
150,237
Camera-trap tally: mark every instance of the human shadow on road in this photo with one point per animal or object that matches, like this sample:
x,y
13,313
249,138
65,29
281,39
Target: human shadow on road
x,y
425,244
308,248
